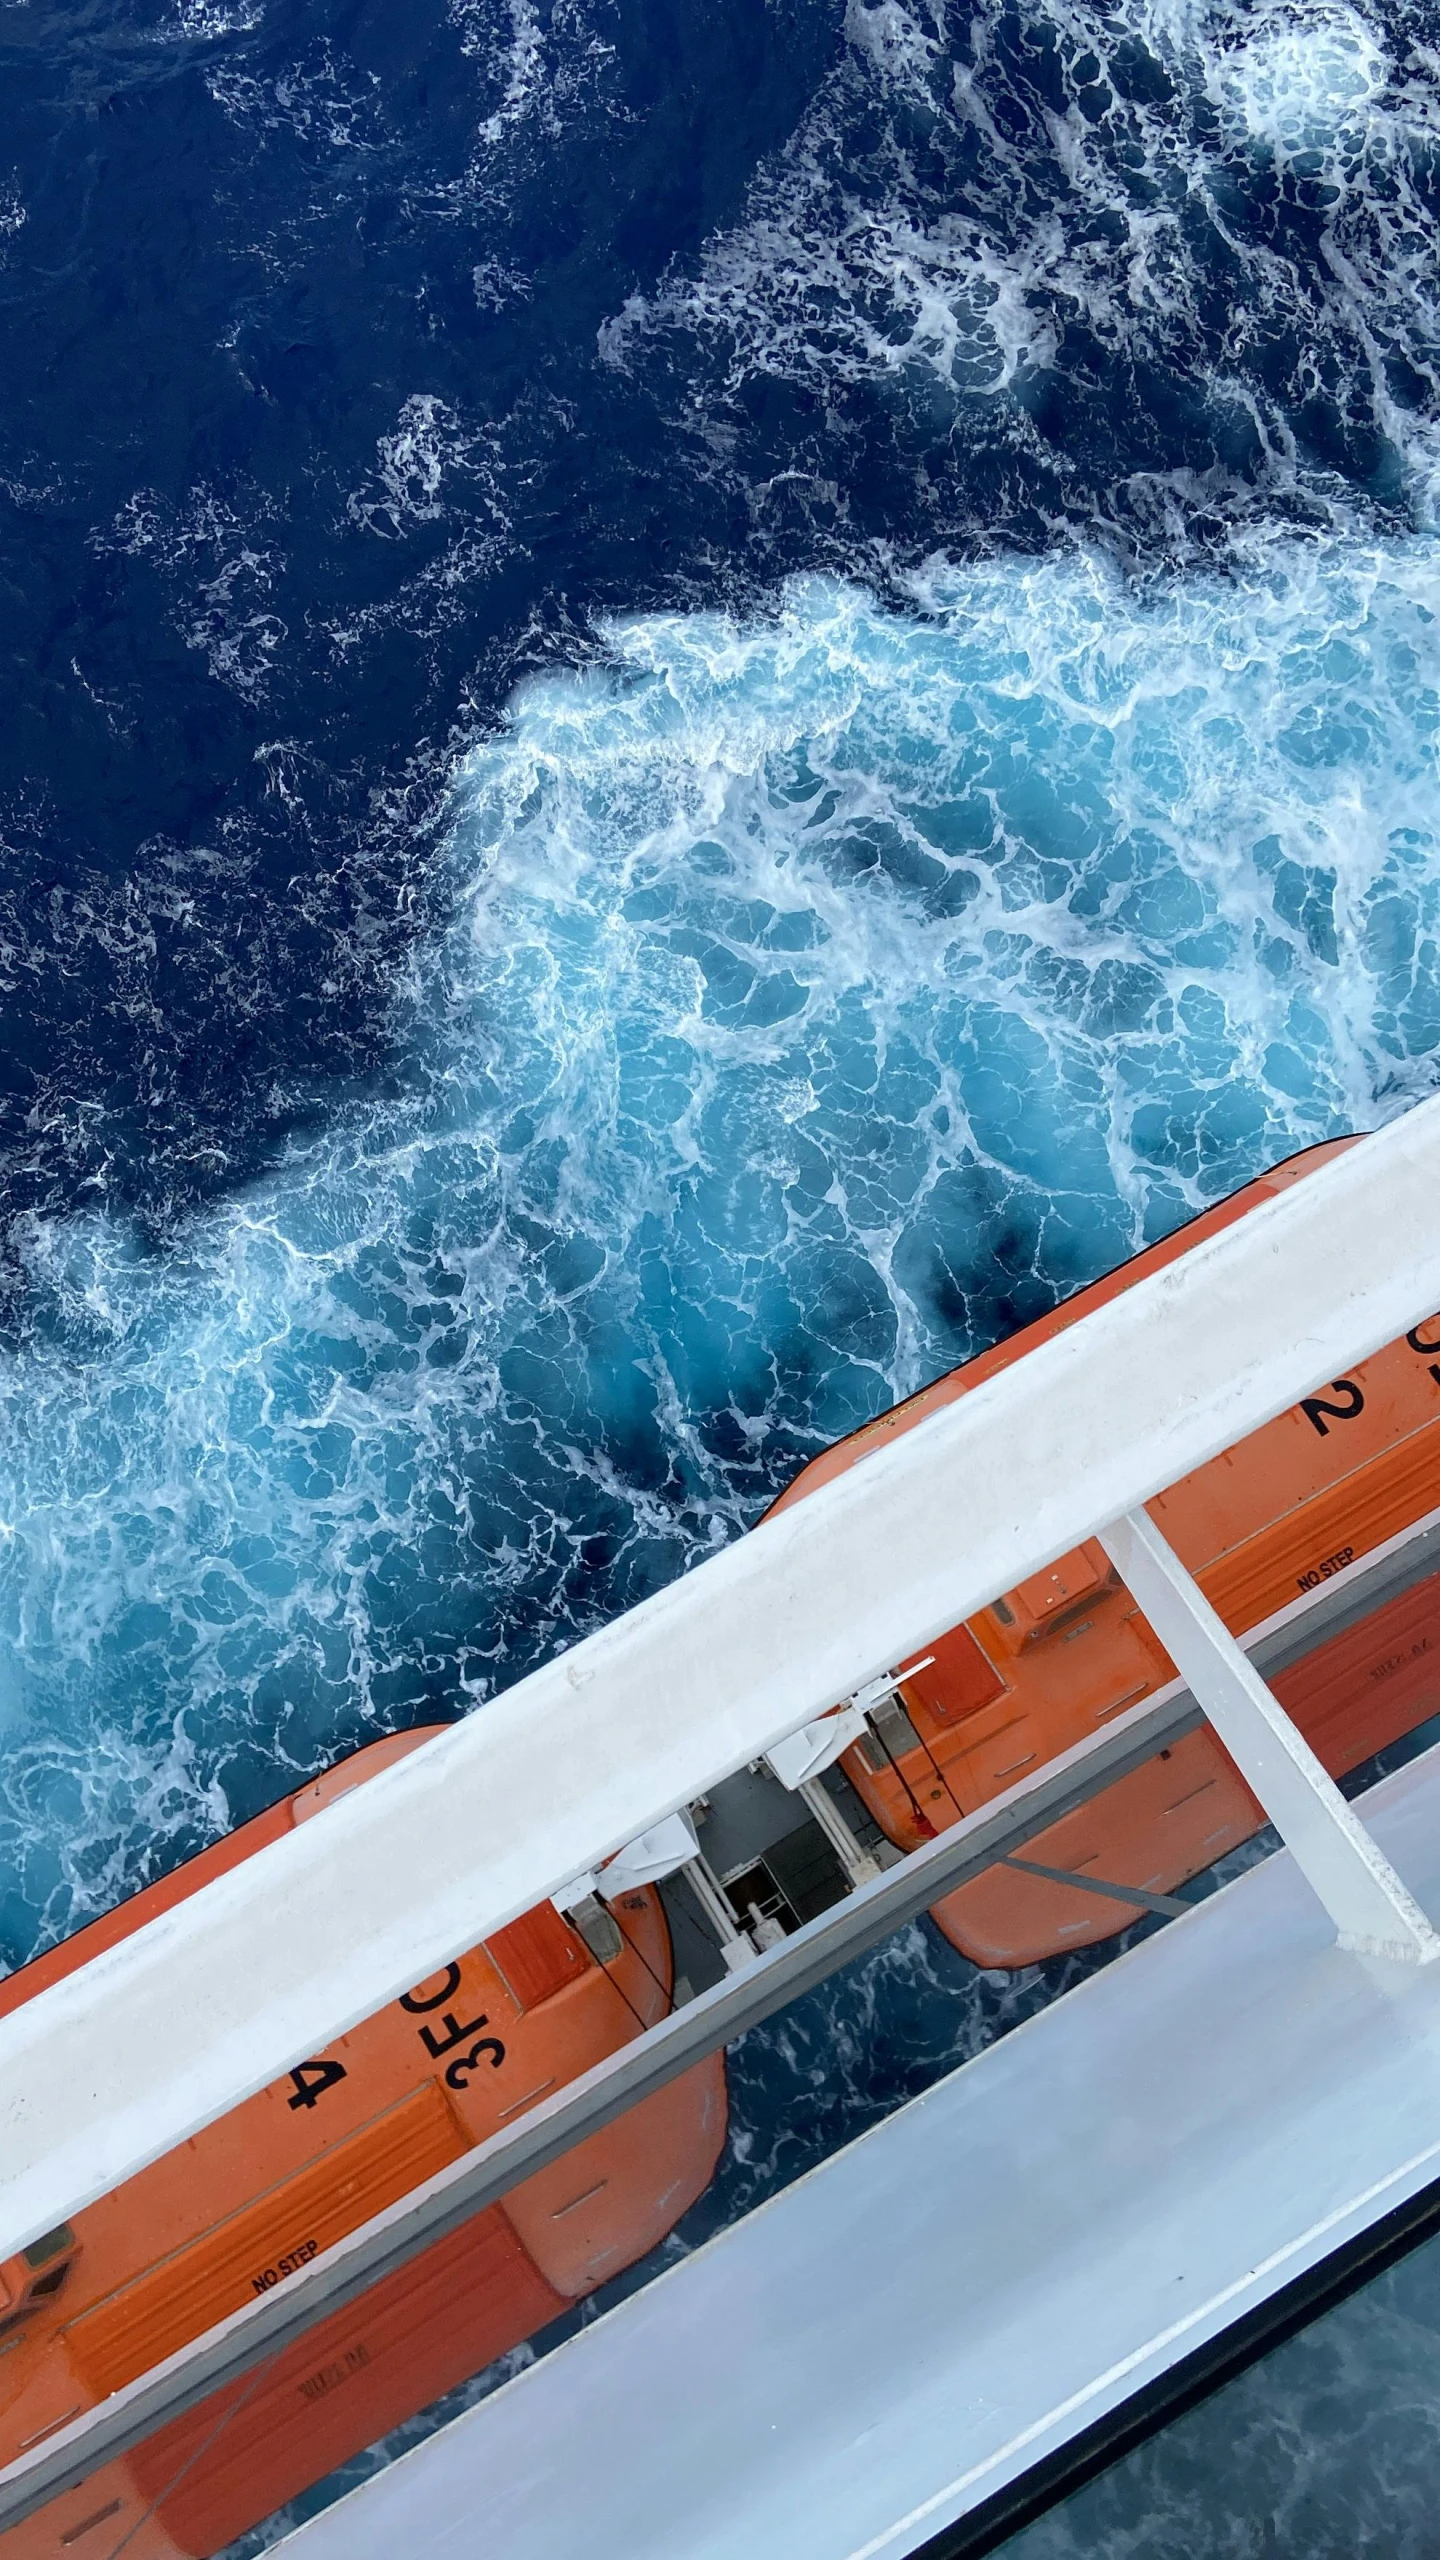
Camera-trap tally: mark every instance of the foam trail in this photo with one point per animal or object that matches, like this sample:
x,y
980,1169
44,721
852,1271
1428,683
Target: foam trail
x,y
1171,272
821,995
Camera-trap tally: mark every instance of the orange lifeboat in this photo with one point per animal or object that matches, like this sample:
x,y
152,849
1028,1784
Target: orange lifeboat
x,y
246,2203
1047,1663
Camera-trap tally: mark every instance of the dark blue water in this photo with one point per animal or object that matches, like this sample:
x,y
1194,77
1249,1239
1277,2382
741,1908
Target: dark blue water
x,y
700,699
1326,2450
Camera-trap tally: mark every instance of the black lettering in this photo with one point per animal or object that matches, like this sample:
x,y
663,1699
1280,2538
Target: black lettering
x,y
460,2070
412,2001
269,2277
1316,1408
309,2090
457,2034
329,2376
1315,1574
1417,1342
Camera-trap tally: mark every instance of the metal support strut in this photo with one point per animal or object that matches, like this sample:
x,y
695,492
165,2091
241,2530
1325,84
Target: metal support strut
x,y
736,1947
1371,1909
857,1865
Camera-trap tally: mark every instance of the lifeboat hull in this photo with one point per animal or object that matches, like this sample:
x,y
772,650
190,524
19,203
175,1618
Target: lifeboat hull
x,y
245,2205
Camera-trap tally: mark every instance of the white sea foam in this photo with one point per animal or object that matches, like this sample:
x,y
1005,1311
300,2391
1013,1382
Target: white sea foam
x,y
1304,78
973,205
210,20
822,993
524,72
224,567
540,65
323,99
428,448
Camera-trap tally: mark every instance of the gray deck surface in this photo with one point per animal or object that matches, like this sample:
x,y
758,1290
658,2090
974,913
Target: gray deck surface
x,y
981,2277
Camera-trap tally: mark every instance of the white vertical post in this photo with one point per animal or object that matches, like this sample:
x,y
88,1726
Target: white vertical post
x,y
856,1863
1365,1898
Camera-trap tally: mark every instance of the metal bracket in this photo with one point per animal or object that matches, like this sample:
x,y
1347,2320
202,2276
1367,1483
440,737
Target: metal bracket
x,y
1167,1903
1372,1910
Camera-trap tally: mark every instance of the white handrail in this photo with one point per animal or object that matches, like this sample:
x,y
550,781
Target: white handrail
x,y
165,2032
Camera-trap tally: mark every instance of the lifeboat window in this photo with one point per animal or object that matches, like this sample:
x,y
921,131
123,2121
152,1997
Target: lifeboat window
x,y
536,1956
44,2286
48,2246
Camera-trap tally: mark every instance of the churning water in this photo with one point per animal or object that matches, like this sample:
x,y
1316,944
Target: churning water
x,y
818,996
700,701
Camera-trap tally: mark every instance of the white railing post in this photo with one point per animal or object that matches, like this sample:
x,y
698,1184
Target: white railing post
x,y
1365,1898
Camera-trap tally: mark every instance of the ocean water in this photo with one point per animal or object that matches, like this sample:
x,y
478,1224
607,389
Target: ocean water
x,y
1326,2450
700,700
817,997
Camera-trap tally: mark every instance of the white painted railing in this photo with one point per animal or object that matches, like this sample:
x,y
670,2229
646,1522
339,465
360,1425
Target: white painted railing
x,y
166,2032
1372,1911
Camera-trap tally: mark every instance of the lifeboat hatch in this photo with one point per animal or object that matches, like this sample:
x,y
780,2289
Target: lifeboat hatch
x,y
1055,1597
31,2282
958,1681
58,2243
537,1956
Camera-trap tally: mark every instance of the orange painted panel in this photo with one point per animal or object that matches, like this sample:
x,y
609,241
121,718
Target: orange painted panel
x,y
1060,1590
961,1680
417,2335
250,2252
106,2514
256,2195
1178,1813
537,1955
1184,1809
612,2199
1370,1685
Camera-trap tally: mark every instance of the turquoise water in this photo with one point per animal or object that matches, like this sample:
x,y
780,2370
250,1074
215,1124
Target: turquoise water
x,y
811,999
699,702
